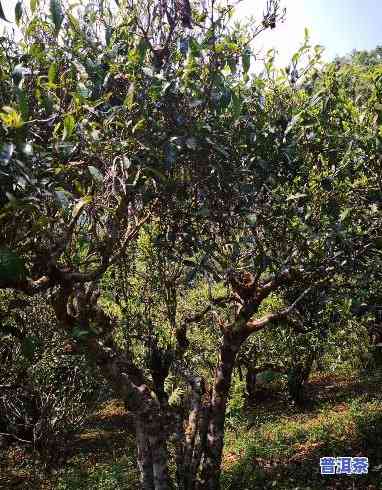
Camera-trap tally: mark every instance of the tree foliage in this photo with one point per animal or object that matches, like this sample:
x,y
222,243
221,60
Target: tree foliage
x,y
169,203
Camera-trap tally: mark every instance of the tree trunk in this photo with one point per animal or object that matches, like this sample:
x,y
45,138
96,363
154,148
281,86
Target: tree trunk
x,y
159,455
152,454
189,469
144,459
178,439
128,381
199,447
210,471
250,385
297,377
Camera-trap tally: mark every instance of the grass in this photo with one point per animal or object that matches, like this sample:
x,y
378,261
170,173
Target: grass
x,y
101,457
273,445
284,452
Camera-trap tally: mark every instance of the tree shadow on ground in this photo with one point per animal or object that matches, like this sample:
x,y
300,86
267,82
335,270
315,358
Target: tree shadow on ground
x,y
93,458
300,469
319,392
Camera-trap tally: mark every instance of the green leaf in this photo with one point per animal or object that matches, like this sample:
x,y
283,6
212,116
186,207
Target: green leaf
x,y
74,22
12,267
176,396
108,35
18,74
232,64
142,48
191,143
267,376
225,99
82,90
345,213
95,173
246,60
378,243
251,219
236,105
327,184
294,197
157,172
23,103
52,73
204,212
18,12
33,5
56,14
69,125
79,333
28,346
77,208
140,125
194,47
129,100
190,262
2,16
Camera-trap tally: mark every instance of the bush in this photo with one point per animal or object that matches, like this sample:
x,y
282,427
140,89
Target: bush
x,y
48,392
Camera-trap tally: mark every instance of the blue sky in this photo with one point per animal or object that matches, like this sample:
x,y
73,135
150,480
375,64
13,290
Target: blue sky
x,y
338,25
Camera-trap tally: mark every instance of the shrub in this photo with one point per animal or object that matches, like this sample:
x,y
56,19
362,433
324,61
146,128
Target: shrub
x,y
48,392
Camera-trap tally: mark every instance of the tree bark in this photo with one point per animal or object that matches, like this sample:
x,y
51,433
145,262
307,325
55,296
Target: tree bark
x,y
210,471
297,377
144,460
128,381
194,435
159,456
250,385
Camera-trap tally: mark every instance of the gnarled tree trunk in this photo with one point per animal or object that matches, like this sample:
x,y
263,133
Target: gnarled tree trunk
x,y
127,379
144,459
211,463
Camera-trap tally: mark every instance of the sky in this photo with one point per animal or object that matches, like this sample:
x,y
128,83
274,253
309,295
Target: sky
x,y
338,25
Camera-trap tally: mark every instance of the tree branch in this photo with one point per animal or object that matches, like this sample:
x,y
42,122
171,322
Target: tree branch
x,y
81,277
15,437
28,286
268,367
181,331
256,325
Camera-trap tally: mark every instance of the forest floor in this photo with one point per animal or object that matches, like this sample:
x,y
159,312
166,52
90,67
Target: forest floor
x,y
273,445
